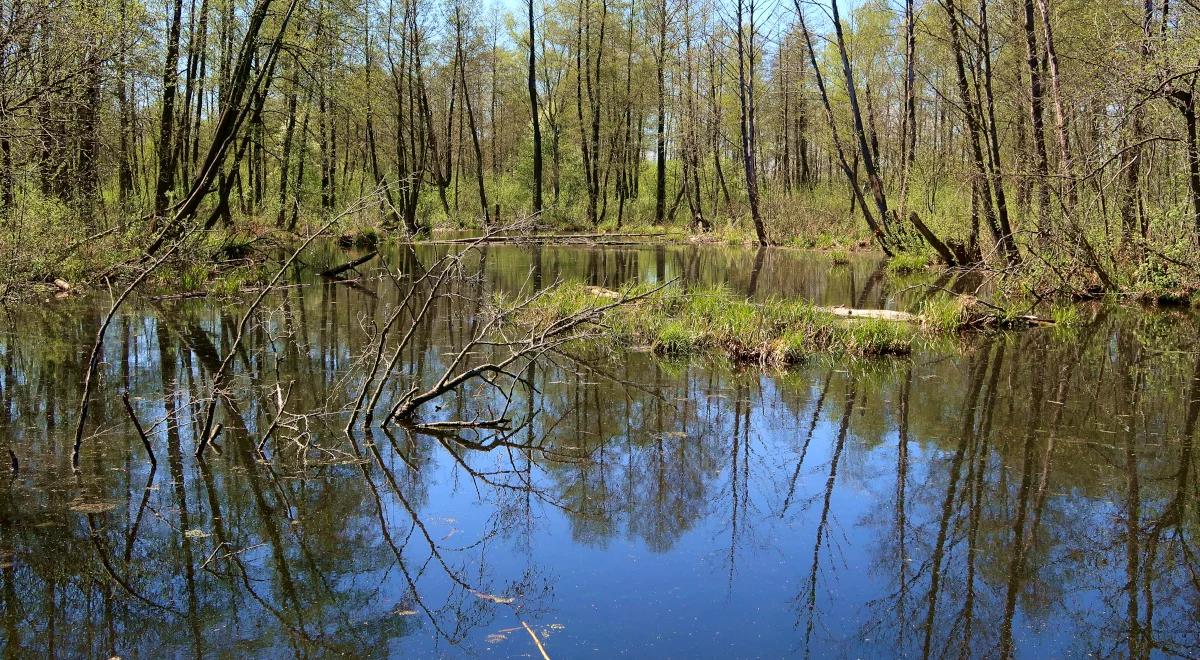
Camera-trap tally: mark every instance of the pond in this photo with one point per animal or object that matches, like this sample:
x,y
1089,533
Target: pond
x,y
1031,493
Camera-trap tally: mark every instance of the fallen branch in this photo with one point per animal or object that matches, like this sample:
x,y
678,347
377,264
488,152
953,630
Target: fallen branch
x,y
535,343
338,270
138,426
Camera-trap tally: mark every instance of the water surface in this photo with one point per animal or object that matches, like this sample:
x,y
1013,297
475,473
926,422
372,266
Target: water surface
x,y
1033,492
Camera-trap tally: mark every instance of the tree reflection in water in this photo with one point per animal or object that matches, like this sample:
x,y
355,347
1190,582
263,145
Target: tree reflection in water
x,y
1017,495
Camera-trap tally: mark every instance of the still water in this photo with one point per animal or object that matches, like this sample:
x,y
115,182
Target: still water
x,y
1031,493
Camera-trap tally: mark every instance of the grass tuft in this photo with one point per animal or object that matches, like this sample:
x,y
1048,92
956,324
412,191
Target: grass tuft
x,y
942,314
907,263
1066,316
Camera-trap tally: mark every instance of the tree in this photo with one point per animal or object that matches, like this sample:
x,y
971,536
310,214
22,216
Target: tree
x,y
534,113
744,38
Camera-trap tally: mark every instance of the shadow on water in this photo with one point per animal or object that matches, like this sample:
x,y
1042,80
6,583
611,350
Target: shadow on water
x,y
1028,494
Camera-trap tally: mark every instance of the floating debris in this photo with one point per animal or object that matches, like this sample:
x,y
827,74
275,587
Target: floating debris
x,y
492,598
92,507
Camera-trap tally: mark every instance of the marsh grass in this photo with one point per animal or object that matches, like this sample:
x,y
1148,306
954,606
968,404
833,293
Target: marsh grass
x,y
907,263
680,322
943,315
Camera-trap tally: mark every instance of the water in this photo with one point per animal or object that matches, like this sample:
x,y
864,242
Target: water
x,y
1034,491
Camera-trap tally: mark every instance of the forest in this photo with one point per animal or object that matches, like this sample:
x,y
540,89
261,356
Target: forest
x,y
578,328
1055,138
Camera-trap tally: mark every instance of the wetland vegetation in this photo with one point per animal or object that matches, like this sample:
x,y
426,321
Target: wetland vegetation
x,y
553,328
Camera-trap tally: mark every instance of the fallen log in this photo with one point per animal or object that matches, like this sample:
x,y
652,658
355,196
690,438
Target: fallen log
x,y
974,314
888,314
544,238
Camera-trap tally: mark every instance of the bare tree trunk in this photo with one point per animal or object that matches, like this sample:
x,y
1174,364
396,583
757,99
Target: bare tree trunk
x,y
783,68
289,132
745,53
843,161
627,169
660,151
234,113
534,113
1065,166
7,195
715,97
1037,120
868,154
124,118
593,92
462,70
580,74
908,125
1185,102
302,160
88,117
589,124
166,124
973,114
1132,160
997,169
691,150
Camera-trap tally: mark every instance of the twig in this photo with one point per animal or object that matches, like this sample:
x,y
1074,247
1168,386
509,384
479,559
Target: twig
x,y
281,400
